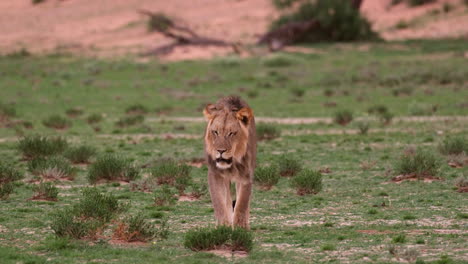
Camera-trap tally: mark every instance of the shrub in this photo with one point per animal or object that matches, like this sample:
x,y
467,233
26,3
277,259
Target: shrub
x,y
96,205
56,122
453,145
211,238
307,182
385,118
420,163
278,60
199,189
338,19
165,196
266,176
267,131
74,112
8,175
363,127
54,168
66,224
169,172
298,92
136,109
130,121
421,109
45,191
289,165
80,154
135,228
401,238
343,117
377,109
38,146
6,111
112,167
94,119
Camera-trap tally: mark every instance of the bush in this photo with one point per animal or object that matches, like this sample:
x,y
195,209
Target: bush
x,y
266,177
338,20
94,119
289,165
6,111
363,127
45,191
136,109
165,196
80,154
377,109
209,238
54,168
278,60
130,121
66,224
135,228
385,118
267,131
420,163
8,175
38,146
421,109
56,122
343,117
112,167
74,112
298,92
307,182
169,172
455,145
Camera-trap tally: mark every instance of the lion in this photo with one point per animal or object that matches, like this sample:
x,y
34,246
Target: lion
x,y
230,152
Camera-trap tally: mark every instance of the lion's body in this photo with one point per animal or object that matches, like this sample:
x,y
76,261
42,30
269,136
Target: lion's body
x,y
230,150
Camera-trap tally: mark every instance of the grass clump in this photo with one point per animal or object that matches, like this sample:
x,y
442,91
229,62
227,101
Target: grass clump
x,y
94,119
307,182
165,196
454,145
212,238
267,131
112,167
136,109
8,175
56,122
289,165
130,121
363,127
6,111
135,228
81,154
401,238
45,191
37,146
266,176
418,163
53,168
343,117
167,171
421,109
278,60
74,112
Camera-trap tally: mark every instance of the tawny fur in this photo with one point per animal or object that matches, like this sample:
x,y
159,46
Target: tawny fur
x,y
230,151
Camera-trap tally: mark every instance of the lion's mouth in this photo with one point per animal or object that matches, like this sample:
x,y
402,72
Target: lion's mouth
x,y
224,161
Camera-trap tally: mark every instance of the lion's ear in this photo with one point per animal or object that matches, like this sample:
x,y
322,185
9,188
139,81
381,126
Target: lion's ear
x,y
209,111
245,115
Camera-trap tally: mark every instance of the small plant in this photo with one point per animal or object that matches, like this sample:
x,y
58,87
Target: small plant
x,y
45,191
289,165
454,145
94,119
112,167
130,121
328,247
198,190
81,154
66,224
212,238
307,182
6,111
266,176
462,184
74,112
97,205
401,238
377,109
421,109
56,122
165,196
167,171
419,163
37,146
298,92
135,228
8,175
136,109
252,93
363,127
53,168
343,117
278,60
385,118
267,131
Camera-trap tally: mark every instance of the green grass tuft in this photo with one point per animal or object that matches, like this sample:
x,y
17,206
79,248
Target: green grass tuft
x,y
38,146
53,168
211,238
289,165
307,182
266,177
454,145
112,167
267,131
57,122
81,154
8,175
343,117
420,163
45,191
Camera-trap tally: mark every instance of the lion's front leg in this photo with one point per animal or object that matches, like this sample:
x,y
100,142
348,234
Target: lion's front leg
x,y
221,199
242,208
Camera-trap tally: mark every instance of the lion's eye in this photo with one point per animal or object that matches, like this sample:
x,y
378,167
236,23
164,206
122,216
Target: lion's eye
x,y
231,134
215,132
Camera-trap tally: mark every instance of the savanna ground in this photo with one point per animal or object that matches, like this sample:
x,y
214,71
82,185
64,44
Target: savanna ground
x,y
359,216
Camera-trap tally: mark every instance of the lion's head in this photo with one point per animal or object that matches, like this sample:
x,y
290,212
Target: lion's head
x,y
227,132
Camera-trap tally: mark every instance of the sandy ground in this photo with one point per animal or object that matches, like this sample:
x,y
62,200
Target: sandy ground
x,y
114,27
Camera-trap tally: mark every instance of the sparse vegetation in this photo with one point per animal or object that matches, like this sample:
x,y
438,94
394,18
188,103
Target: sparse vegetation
x,y
164,196
112,167
421,109
363,127
289,165
167,171
307,182
45,191
6,111
56,122
81,154
130,121
343,117
94,119
453,145
420,163
8,175
267,131
53,168
74,112
38,146
266,177
211,238
135,228
136,109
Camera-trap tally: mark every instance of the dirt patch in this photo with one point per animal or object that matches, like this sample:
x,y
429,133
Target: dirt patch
x,y
374,232
122,243
227,253
415,177
188,198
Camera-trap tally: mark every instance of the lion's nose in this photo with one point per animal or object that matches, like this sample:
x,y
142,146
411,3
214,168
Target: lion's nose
x,y
221,151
